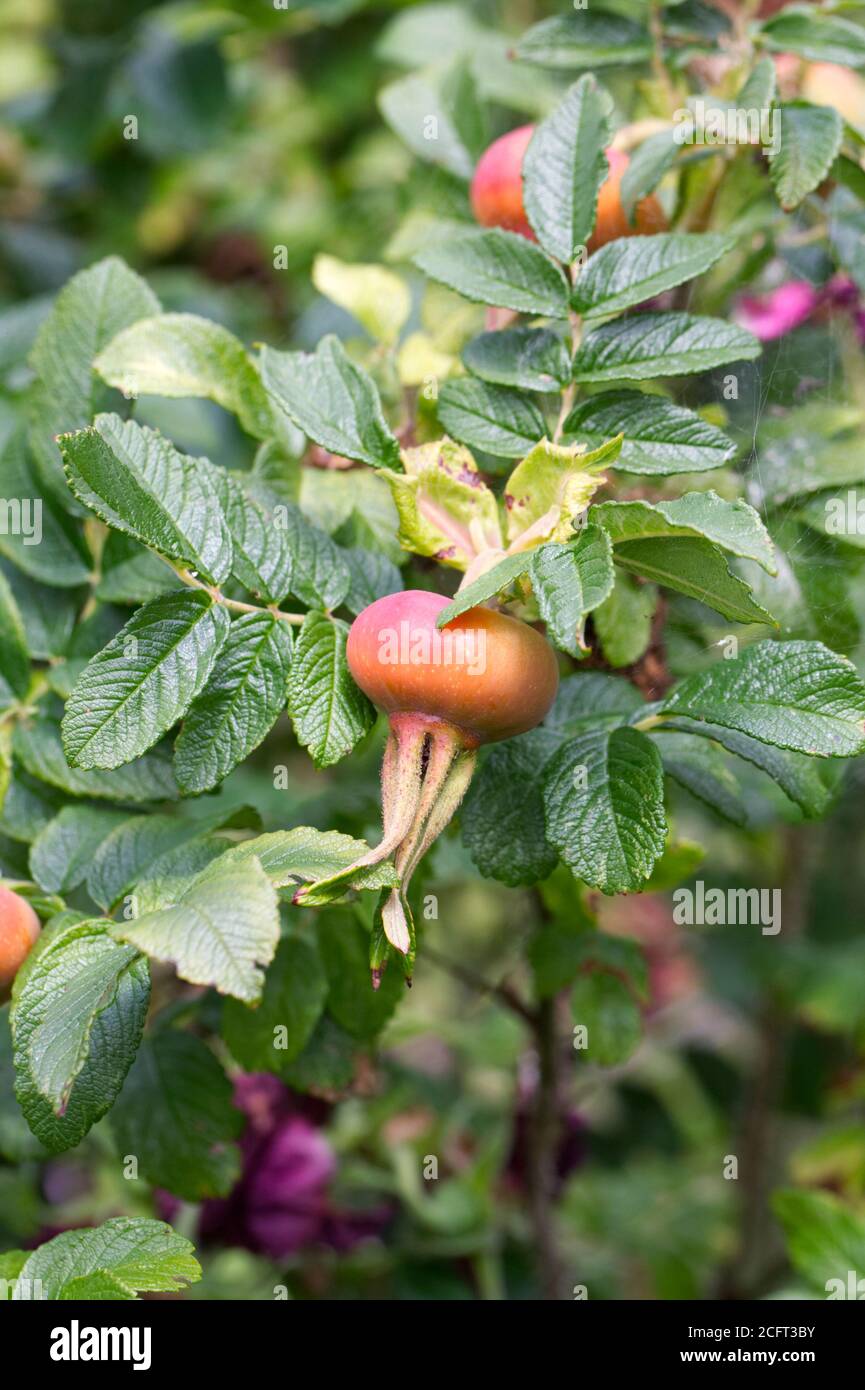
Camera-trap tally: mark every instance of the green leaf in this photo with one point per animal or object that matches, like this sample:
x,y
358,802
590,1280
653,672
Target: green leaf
x,y
820,37
358,1008
702,769
132,574
590,700
62,853
797,695
38,538
90,309
795,773
272,1035
329,712
734,526
436,113
319,574
76,1025
648,164
602,1004
305,855
504,834
14,655
47,615
659,437
569,581
825,1238
141,1255
144,680
38,747
137,482
533,359
604,800
332,400
223,927
760,88
805,148
492,418
623,622
262,559
657,344
244,696
564,166
694,567
326,1064
588,39
633,269
180,355
492,581
175,1116
136,845
500,268
372,576
377,298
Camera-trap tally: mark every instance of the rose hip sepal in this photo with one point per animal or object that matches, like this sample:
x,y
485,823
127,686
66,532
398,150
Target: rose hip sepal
x,y
480,678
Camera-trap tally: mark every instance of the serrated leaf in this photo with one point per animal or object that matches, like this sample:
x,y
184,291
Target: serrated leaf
x,y
38,747
90,309
491,418
505,835
569,581
551,488
47,615
564,166
332,400
499,577
326,1064
76,1024
224,926
797,695
305,855
734,526
760,87
295,991
589,39
262,558
694,567
795,773
180,355
604,798
329,712
14,654
175,1115
825,1238
377,298
142,1255
648,164
137,482
138,686
623,622
319,574
805,148
631,270
244,696
132,574
658,344
531,359
701,768
443,94
38,539
591,700
132,848
820,37
497,267
372,576
659,437
63,851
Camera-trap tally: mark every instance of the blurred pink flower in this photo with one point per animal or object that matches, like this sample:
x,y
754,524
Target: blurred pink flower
x,y
772,315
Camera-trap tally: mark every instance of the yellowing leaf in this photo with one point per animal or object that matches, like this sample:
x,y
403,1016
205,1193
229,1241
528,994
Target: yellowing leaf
x,y
376,297
445,508
551,486
419,361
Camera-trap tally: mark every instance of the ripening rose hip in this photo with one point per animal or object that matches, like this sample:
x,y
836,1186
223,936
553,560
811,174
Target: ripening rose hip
x,y
497,194
482,677
19,928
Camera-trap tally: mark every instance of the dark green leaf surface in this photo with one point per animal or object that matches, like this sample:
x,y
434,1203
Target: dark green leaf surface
x,y
531,359
659,437
569,581
492,418
496,267
808,142
115,1260
270,1036
655,344
694,567
633,269
330,713
587,39
563,168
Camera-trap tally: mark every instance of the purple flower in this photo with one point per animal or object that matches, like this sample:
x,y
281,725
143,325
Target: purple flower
x,y
772,315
